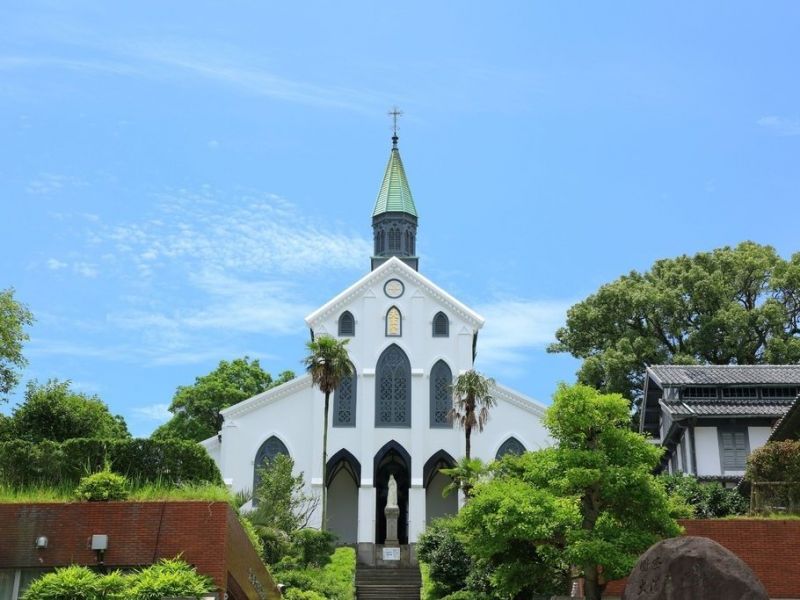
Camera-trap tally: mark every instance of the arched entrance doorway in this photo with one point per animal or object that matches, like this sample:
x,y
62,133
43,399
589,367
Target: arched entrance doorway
x,y
392,459
344,479
436,505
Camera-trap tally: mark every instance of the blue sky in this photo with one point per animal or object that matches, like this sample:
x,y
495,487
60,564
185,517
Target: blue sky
x,y
183,182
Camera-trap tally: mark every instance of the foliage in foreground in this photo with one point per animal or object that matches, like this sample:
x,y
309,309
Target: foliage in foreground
x,y
707,500
167,577
448,564
589,502
334,581
731,305
775,461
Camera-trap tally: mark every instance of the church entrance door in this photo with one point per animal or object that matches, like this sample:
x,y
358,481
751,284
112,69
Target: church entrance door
x,y
392,459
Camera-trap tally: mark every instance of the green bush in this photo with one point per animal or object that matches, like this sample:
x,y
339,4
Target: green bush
x,y
165,578
168,577
467,595
26,464
102,487
448,562
313,547
70,583
335,581
708,500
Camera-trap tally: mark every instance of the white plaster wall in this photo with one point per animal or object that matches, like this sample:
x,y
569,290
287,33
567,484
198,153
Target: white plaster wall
x,y
758,436
343,508
435,504
707,451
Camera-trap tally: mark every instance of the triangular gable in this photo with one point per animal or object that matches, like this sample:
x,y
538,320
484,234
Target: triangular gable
x,y
264,398
394,266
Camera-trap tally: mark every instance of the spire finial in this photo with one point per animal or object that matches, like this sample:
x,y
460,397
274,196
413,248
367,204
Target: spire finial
x,y
394,113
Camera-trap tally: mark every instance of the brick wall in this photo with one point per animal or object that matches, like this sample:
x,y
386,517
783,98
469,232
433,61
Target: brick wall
x,y
770,547
206,535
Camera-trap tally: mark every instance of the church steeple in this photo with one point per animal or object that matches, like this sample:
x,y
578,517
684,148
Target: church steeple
x,y
394,218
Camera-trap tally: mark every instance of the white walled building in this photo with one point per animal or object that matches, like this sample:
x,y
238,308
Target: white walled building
x,y
709,418
408,340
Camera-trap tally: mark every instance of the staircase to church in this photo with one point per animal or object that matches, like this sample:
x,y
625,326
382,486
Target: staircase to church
x,y
374,583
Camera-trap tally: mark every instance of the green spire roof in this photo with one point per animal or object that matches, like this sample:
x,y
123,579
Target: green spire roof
x,y
395,195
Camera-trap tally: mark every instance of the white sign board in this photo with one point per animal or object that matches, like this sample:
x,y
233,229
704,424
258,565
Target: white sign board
x,y
391,554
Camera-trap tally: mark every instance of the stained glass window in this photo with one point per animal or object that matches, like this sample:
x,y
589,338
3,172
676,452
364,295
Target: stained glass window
x,y
393,389
511,446
394,322
441,394
441,325
267,452
347,324
344,402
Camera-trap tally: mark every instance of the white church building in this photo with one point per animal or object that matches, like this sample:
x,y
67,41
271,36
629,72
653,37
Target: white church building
x,y
409,339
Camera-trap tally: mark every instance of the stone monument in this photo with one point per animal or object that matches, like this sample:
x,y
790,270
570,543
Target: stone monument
x,y
392,512
692,567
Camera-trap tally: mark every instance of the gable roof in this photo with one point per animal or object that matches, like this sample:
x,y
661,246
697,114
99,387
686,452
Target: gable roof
x,y
788,427
506,394
268,397
394,266
680,375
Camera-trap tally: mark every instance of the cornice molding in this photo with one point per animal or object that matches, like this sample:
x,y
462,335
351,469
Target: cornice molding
x,y
268,397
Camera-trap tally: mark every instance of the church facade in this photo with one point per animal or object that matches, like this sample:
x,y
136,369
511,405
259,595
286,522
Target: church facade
x,y
409,339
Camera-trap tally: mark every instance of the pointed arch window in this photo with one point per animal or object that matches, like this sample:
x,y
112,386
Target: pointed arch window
x,y
265,455
511,446
394,240
344,401
394,322
347,324
441,325
441,394
393,389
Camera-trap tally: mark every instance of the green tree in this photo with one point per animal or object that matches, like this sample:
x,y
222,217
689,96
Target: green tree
x,y
196,407
590,501
327,363
731,305
14,316
472,400
464,475
52,411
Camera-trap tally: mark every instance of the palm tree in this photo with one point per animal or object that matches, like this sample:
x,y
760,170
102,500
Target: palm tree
x,y
471,403
463,476
327,363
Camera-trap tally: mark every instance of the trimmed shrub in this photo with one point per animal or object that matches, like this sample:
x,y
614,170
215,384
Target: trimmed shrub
x,y
70,583
295,594
24,464
102,487
467,595
168,577
775,461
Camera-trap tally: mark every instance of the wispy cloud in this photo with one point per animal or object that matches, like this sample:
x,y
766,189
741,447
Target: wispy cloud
x,y
782,126
516,327
201,270
50,183
153,412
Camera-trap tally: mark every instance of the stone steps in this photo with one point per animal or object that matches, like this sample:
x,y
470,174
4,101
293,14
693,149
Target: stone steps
x,y
387,583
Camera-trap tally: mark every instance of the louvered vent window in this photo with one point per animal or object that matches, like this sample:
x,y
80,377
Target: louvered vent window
x,y
780,392
740,392
699,392
393,389
441,394
441,325
344,402
734,447
394,240
347,324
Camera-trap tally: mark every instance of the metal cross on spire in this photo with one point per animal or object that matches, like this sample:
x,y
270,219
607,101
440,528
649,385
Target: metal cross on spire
x,y
394,113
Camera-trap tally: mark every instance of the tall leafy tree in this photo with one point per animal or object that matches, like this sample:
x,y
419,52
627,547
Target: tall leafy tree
x,y
196,407
472,400
327,363
590,501
53,411
14,316
731,305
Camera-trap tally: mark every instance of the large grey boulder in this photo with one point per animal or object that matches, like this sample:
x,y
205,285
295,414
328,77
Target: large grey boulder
x,y
692,568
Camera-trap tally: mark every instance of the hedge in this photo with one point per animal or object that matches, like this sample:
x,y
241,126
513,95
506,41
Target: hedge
x,y
57,464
